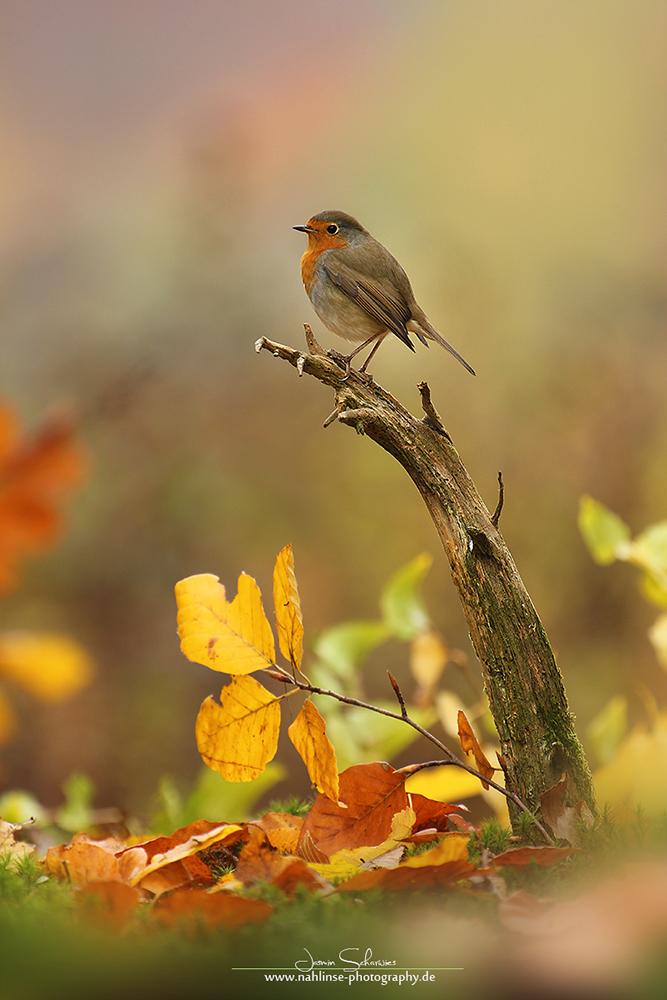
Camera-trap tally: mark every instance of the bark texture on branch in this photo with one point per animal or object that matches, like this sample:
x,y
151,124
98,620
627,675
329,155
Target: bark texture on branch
x,y
523,683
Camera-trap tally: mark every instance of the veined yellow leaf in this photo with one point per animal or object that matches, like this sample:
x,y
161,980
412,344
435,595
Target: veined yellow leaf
x,y
288,608
235,638
308,734
239,736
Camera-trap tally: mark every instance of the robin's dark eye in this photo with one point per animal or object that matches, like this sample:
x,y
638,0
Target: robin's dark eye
x,y
333,228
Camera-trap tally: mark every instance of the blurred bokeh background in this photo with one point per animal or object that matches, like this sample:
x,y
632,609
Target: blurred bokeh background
x,y
156,154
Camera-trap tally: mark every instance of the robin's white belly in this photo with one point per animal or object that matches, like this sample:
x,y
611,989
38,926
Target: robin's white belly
x,y
341,315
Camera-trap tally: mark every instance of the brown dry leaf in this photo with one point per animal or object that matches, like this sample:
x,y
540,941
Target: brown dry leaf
x,y
543,856
259,862
446,863
308,734
165,862
564,820
235,638
469,743
239,736
282,830
34,474
373,794
217,909
82,862
432,814
289,619
109,903
462,824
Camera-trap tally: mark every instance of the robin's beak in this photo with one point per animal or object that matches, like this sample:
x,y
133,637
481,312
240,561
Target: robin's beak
x,y
305,229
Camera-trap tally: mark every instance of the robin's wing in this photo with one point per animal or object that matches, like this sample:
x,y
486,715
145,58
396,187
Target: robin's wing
x,y
387,309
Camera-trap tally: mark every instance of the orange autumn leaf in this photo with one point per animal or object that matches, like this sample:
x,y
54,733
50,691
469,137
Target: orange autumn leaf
x,y
232,637
239,736
220,909
108,903
34,474
443,864
308,734
282,830
370,796
82,862
165,862
543,856
431,814
470,744
288,608
260,863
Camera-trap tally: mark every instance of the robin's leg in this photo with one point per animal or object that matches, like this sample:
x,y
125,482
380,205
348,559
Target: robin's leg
x,y
367,361
352,354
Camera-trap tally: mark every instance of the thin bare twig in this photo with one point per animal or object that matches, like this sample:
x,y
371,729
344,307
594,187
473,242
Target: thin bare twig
x,y
399,695
495,517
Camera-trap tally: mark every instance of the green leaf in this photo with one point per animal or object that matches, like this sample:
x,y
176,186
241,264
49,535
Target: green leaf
x,y
212,798
348,751
401,603
603,531
222,801
382,738
360,736
607,730
344,648
649,552
74,814
17,806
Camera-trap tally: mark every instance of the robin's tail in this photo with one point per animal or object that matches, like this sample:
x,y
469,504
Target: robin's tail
x,y
422,326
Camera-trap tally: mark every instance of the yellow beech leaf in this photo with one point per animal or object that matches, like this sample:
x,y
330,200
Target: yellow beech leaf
x,y
288,608
450,849
47,665
308,734
239,736
235,638
429,654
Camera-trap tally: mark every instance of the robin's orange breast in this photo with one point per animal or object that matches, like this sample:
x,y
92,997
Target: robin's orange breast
x,y
317,244
308,264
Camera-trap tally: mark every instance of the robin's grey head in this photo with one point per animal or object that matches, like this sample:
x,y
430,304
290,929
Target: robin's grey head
x,y
336,228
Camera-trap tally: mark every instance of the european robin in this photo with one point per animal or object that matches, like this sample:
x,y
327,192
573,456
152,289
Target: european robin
x,y
360,291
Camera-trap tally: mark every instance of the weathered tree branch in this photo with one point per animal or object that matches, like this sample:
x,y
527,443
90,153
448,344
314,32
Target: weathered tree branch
x,y
522,680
